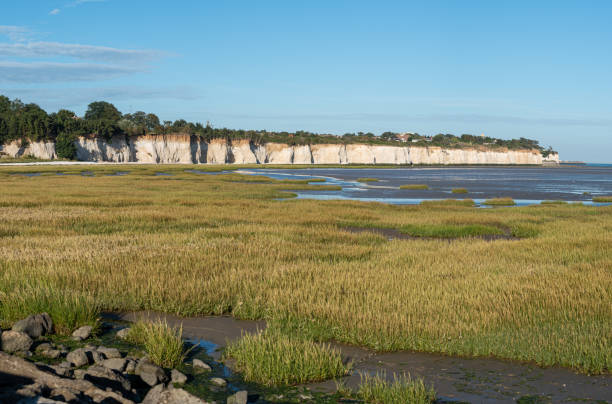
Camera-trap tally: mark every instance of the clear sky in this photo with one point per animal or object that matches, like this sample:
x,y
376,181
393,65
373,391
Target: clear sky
x,y
538,69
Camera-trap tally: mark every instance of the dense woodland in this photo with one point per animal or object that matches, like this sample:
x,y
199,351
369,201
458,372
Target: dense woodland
x,y
29,122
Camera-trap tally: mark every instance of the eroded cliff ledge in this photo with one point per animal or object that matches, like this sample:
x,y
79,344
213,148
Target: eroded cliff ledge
x,y
187,149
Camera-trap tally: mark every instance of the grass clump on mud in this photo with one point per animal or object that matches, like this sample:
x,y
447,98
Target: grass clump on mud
x,y
459,191
499,202
602,199
448,202
414,186
272,358
367,179
193,244
402,390
554,202
164,344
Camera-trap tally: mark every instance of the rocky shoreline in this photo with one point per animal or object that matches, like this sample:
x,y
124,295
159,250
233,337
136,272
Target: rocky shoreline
x,y
35,369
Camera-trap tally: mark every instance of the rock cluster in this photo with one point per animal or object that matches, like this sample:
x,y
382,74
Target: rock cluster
x,y
89,374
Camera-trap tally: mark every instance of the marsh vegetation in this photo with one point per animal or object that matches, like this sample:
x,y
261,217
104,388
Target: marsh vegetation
x,y
499,202
197,244
414,186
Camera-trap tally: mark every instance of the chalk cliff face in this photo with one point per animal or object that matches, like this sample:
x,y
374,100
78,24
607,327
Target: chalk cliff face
x,y
179,148
41,150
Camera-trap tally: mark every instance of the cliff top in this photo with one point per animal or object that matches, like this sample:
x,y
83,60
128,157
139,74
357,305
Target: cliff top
x,y
102,119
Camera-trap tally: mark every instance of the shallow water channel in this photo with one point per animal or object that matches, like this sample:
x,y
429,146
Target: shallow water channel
x,y
526,185
473,380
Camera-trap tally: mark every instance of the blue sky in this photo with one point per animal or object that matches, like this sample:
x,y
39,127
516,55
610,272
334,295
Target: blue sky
x,y
537,69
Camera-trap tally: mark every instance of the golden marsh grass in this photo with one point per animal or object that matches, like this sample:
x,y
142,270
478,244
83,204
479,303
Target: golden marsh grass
x,y
211,244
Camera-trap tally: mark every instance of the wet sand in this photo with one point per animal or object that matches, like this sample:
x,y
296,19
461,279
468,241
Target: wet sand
x,y
526,185
474,380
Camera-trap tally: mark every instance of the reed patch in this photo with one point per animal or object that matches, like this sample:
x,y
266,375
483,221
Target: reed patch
x,y
272,358
414,186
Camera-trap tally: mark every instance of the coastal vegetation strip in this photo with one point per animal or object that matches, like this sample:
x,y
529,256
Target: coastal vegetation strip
x,y
195,244
414,186
29,122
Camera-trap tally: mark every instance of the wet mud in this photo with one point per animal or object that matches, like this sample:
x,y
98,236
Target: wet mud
x,y
473,380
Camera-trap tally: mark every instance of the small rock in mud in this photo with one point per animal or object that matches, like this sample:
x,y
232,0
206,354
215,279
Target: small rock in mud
x,y
45,346
197,363
240,397
51,353
217,381
123,333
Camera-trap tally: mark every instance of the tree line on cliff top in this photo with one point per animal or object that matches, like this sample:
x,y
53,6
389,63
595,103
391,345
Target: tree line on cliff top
x,y
29,122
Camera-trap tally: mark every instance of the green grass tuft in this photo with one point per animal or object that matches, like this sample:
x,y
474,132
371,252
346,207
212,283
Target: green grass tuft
x,y
403,390
414,186
68,309
449,230
275,359
163,344
554,202
449,202
500,202
459,191
606,198
367,179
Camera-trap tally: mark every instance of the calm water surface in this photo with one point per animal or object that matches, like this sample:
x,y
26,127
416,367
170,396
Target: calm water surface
x,y
526,185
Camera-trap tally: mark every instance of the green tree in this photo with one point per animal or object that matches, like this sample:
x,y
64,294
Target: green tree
x,y
102,110
65,147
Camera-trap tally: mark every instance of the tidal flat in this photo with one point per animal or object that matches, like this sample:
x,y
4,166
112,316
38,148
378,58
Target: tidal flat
x,y
192,245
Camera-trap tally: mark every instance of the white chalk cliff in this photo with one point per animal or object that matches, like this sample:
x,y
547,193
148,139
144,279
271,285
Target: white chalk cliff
x,y
179,148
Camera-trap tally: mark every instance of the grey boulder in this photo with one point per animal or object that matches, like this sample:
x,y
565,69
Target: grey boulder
x,y
177,377
78,357
161,395
150,373
15,341
117,364
35,325
239,397
107,378
82,333
109,353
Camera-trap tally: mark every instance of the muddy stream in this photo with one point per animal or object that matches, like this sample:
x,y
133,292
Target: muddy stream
x,y
473,380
